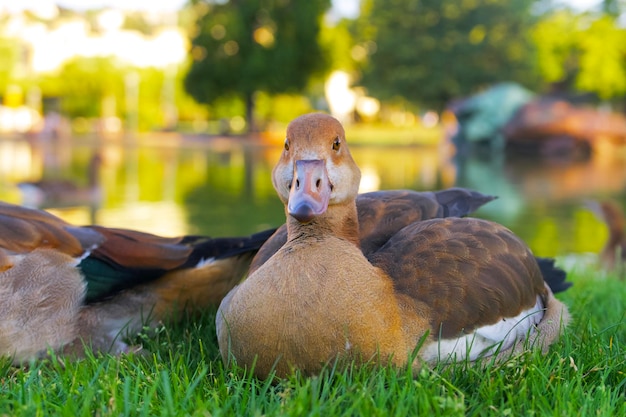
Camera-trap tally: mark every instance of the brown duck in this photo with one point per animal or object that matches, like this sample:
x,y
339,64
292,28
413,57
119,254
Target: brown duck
x,y
63,287
465,288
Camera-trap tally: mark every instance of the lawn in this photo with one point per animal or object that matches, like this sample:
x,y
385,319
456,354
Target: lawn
x,y
179,373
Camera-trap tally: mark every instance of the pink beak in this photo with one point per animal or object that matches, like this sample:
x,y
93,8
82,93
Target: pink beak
x,y
310,190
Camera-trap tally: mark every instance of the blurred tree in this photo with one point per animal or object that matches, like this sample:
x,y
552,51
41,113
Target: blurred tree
x,y
555,37
613,7
244,46
82,83
137,21
339,42
431,51
603,58
585,52
8,59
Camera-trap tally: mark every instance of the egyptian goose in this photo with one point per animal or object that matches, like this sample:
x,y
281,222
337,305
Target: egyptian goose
x,y
466,288
613,255
62,286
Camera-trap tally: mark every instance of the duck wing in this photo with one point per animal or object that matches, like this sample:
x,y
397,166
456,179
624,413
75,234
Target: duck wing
x,y
384,213
461,273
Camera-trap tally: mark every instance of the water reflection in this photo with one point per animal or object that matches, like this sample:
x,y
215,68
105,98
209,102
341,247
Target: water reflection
x,y
165,185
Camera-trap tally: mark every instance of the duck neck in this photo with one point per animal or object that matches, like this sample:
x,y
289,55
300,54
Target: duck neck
x,y
340,220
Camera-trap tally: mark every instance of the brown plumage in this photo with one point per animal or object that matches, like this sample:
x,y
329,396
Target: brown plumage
x,y
337,289
63,286
613,254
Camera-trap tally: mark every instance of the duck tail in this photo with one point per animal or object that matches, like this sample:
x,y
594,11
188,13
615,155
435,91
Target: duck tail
x,y
555,277
459,202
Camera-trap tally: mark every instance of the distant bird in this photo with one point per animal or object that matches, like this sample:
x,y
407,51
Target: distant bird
x,y
62,192
613,255
462,288
63,286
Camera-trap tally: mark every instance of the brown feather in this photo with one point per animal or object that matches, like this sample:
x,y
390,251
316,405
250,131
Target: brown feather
x,y
141,250
23,230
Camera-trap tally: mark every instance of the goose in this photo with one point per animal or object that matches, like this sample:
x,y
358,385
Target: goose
x,y
64,288
445,289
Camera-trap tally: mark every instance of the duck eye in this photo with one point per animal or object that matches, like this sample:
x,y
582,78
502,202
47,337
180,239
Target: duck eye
x,y
286,144
336,144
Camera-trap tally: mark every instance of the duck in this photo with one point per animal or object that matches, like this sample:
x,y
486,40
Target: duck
x,y
612,257
445,289
46,193
68,289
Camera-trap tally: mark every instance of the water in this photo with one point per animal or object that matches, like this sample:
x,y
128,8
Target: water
x,y
166,185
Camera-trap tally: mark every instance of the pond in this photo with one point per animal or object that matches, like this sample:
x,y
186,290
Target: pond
x,y
169,185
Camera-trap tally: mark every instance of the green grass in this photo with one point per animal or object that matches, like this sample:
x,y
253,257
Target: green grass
x,y
180,373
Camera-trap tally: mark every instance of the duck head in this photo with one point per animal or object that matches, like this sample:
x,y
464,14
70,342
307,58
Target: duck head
x,y
315,169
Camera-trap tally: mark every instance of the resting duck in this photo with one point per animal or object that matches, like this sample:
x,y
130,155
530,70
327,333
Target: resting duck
x,y
465,288
613,255
63,286
64,193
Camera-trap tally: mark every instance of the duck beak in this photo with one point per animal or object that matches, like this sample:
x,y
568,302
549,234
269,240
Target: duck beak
x,y
310,190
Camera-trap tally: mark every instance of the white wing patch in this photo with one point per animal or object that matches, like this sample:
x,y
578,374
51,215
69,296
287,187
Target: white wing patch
x,y
487,340
204,262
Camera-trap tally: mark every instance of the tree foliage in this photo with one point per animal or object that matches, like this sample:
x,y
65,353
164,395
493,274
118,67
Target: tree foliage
x,y
555,36
431,51
8,57
603,59
583,52
83,84
244,46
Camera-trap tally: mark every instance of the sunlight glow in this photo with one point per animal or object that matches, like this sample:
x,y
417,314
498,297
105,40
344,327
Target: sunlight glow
x,y
52,47
341,99
370,180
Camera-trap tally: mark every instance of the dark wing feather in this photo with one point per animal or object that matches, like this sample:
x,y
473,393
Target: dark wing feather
x,y
465,272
